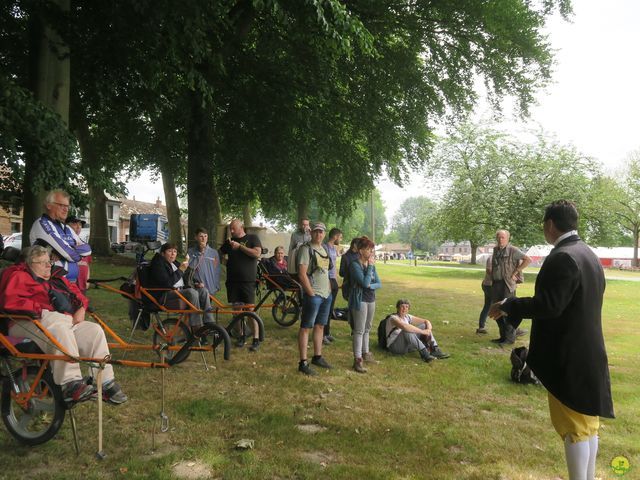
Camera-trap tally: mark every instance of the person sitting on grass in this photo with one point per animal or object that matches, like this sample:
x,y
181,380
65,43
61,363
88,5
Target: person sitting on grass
x,y
407,333
35,287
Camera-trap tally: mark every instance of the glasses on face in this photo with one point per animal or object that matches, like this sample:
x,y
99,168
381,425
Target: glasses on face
x,y
62,205
46,263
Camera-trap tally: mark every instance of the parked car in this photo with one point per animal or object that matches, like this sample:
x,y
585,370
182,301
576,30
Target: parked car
x,y
118,247
14,240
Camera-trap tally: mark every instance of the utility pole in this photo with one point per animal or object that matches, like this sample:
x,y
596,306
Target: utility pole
x,y
373,222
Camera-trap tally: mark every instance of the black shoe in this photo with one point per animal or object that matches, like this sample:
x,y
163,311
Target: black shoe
x,y
240,343
439,354
318,361
426,356
506,342
303,367
255,345
203,330
497,340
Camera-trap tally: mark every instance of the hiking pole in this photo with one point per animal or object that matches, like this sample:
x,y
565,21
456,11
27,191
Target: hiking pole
x,y
164,419
100,455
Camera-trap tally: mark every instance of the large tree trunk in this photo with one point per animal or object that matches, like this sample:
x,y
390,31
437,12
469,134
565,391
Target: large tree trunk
x,y
636,239
201,189
49,76
303,209
173,209
474,252
99,233
246,215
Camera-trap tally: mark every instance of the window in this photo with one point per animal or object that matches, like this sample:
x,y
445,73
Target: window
x,y
110,212
15,227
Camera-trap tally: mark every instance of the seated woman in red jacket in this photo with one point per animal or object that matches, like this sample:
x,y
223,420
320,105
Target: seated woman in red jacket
x,y
33,286
277,268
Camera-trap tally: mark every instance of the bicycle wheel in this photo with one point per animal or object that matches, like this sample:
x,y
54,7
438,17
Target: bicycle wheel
x,y
220,337
240,326
285,310
41,417
173,332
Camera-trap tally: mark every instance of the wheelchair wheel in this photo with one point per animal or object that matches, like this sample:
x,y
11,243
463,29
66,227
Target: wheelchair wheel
x,y
40,419
285,310
173,332
219,337
240,327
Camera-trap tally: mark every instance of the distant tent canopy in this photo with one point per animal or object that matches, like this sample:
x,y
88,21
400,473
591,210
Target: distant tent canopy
x,y
609,257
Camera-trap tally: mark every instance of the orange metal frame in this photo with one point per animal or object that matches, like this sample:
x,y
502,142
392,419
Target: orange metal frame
x,y
168,335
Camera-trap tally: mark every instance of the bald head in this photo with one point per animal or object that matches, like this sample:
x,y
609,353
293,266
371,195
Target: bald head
x,y
236,228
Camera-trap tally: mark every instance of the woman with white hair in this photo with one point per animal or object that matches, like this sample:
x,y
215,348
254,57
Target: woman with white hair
x,y
34,286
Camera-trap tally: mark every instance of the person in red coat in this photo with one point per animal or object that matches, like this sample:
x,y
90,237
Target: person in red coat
x,y
32,287
567,351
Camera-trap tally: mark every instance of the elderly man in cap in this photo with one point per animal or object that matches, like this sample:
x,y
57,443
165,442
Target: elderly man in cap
x,y
84,264
50,230
314,263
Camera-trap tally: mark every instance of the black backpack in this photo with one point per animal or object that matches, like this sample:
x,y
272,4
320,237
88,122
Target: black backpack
x,y
520,371
382,332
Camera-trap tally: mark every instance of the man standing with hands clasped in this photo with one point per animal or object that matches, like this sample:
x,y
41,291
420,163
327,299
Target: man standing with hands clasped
x,y
567,351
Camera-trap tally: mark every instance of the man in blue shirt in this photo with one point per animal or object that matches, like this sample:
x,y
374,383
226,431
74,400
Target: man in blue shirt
x,y
205,262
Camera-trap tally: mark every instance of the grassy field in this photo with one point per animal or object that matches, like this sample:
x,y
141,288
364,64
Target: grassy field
x,y
459,418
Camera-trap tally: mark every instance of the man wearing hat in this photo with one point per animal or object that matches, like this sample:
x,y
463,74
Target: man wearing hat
x,y
84,264
314,264
50,230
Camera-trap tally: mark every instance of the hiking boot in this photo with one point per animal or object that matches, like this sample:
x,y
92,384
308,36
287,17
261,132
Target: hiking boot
x,y
318,361
326,341
439,354
481,331
358,365
303,367
240,343
76,391
521,331
368,357
330,337
112,393
426,357
255,345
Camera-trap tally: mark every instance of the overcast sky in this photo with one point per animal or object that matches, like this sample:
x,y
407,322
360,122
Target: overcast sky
x,y
593,102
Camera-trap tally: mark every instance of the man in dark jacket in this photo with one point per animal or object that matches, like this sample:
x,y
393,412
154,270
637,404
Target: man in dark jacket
x,y
166,272
567,351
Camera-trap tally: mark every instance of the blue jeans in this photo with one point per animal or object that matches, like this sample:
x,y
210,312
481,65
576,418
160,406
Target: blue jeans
x,y
482,321
315,311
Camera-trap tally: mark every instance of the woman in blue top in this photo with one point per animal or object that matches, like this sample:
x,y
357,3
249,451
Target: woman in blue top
x,y
362,301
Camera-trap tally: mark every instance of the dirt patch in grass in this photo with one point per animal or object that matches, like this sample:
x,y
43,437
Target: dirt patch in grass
x,y
311,428
319,458
191,470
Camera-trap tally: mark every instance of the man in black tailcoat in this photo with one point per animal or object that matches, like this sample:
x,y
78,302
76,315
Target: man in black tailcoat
x,y
567,351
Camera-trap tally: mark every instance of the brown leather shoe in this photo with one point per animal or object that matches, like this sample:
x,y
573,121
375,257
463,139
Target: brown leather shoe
x,y
358,366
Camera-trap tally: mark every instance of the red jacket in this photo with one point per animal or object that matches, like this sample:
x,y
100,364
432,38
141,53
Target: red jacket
x,y
20,292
